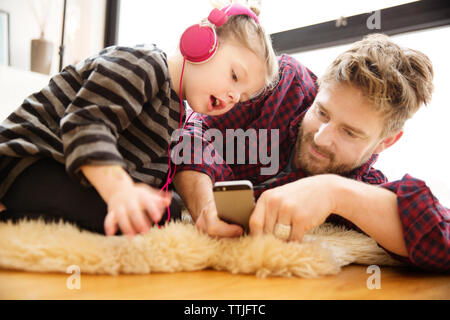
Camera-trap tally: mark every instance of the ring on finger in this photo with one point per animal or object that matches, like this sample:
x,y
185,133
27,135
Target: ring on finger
x,y
282,231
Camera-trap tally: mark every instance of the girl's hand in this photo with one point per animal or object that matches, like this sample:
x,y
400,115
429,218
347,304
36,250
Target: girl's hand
x,y
134,208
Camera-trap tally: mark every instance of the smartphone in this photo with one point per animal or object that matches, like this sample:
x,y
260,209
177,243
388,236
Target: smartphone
x,y
234,201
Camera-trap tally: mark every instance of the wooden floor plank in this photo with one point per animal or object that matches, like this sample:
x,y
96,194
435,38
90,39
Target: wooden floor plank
x,y
350,283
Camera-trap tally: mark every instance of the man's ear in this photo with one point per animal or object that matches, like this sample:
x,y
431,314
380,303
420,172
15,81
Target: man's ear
x,y
389,141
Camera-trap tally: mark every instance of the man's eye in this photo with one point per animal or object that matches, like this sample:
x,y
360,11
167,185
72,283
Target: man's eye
x,y
234,76
321,113
350,134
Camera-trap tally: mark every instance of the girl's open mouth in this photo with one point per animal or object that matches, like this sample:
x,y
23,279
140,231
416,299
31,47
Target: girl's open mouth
x,y
215,103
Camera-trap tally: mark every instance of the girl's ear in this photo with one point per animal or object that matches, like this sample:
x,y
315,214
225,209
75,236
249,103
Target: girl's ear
x,y
389,141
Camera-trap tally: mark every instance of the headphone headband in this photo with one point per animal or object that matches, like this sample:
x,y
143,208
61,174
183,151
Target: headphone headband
x,y
219,17
199,42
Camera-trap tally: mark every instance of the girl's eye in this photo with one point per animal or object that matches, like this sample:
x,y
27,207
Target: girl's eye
x,y
234,76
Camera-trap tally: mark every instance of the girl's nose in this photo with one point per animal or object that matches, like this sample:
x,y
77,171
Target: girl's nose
x,y
234,96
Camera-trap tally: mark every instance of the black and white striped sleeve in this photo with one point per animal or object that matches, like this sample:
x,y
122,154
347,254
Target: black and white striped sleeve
x,y
116,85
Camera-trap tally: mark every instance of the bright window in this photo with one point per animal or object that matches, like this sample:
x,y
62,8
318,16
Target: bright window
x,y
422,151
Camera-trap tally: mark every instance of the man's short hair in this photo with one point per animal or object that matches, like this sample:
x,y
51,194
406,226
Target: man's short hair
x,y
396,80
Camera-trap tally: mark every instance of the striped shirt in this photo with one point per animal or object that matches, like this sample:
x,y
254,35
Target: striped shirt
x,y
115,108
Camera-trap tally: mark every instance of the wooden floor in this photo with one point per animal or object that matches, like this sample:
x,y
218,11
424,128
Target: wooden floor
x,y
351,283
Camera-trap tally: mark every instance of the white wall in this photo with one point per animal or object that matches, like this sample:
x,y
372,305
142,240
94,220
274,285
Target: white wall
x,y
158,22
85,20
24,27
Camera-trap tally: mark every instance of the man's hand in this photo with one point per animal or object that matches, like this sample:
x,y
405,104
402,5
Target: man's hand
x,y
306,203
209,222
303,204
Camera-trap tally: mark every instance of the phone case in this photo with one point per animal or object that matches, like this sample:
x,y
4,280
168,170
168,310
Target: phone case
x,y
235,202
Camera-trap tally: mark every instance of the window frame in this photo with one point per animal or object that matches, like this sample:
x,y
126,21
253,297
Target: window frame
x,y
7,40
403,18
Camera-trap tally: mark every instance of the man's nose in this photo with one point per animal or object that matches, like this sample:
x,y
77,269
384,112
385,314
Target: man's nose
x,y
324,136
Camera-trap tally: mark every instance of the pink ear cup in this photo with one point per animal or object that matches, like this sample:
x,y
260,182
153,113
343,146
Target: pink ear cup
x,y
198,43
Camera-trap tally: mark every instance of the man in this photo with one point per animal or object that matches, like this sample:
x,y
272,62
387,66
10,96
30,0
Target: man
x,y
330,134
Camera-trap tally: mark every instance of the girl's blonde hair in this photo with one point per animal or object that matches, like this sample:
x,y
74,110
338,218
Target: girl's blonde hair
x,y
396,80
247,32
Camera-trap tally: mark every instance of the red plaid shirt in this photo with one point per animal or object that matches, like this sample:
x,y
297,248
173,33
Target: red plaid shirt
x,y
426,223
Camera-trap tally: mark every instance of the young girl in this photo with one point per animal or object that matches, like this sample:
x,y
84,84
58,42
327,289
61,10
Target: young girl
x,y
107,122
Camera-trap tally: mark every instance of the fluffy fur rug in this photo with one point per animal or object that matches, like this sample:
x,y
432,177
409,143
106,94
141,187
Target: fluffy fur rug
x,y
36,246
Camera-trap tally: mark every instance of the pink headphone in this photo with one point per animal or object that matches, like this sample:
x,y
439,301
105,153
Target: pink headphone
x,y
199,42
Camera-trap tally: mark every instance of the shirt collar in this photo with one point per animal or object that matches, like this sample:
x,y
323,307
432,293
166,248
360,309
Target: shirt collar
x,y
363,170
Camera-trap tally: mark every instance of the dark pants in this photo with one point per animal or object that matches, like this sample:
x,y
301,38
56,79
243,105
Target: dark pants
x,y
44,190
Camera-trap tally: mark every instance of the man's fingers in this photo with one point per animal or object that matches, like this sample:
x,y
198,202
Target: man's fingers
x,y
297,233
257,219
298,229
215,227
220,228
285,218
271,215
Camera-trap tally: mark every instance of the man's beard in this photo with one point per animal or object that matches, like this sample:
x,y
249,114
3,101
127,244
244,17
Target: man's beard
x,y
312,166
